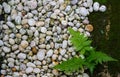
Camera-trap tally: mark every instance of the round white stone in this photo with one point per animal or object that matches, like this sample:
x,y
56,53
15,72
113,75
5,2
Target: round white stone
x,y
24,44
64,44
96,6
31,22
63,22
83,11
74,2
43,30
11,41
102,8
41,54
62,51
29,70
7,7
29,64
18,19
21,56
36,70
6,49
10,60
1,43
49,53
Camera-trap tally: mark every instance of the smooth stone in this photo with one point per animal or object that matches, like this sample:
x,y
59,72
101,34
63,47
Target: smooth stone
x,y
36,34
55,72
1,43
53,15
6,49
21,56
11,64
49,53
54,57
74,2
58,29
29,64
29,15
43,29
41,55
15,47
85,75
96,6
40,23
32,4
11,60
11,41
68,8
89,3
83,11
90,9
18,19
64,44
38,63
6,7
10,24
16,74
31,22
102,8
63,22
29,70
36,70
20,7
22,66
24,44
62,51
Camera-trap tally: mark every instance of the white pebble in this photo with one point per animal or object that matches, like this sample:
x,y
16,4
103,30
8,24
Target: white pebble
x,y
21,56
63,22
83,11
7,7
53,15
102,8
49,53
41,54
96,6
43,30
74,2
6,49
36,70
64,44
11,64
20,7
10,24
1,43
29,70
18,19
11,41
31,22
24,44
29,64
62,51
10,60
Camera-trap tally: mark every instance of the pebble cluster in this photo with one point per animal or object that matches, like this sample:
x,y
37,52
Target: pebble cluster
x,y
34,36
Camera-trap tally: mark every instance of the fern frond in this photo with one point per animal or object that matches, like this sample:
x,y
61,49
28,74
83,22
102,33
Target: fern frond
x,y
99,57
70,65
79,41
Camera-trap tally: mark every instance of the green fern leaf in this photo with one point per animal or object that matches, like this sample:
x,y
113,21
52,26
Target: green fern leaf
x,y
70,65
99,57
79,41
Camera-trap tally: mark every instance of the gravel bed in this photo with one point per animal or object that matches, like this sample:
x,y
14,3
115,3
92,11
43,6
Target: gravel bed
x,y
34,36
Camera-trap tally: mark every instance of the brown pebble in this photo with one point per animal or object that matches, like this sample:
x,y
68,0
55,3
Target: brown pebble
x,y
89,27
2,76
34,50
14,69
